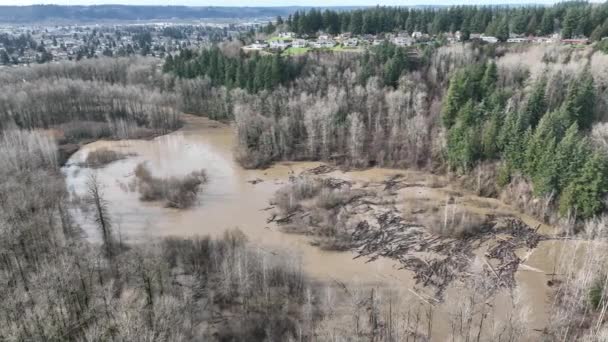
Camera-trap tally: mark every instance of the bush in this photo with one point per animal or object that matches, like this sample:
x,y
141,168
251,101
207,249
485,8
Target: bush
x,y
596,293
176,192
288,198
103,157
457,222
329,199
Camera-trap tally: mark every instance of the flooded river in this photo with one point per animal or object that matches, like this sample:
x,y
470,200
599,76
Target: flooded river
x,y
230,200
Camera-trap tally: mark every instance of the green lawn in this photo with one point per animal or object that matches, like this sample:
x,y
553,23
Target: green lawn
x,y
295,51
340,48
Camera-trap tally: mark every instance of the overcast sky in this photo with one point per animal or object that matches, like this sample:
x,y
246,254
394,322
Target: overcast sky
x,y
270,2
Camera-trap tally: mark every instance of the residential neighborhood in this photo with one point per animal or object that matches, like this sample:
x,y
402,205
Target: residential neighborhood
x,y
291,43
39,44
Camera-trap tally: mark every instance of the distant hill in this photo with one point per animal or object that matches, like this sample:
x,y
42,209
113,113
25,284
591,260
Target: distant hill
x,y
47,13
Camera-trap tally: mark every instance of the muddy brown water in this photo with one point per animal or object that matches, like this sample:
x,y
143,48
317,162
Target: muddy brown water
x,y
230,200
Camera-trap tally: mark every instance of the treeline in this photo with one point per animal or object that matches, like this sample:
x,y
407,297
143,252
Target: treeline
x,y
543,137
47,103
570,18
251,73
134,70
331,115
215,92
90,100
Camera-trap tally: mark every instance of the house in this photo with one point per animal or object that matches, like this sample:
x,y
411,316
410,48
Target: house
x,y
453,37
352,42
346,35
377,42
489,39
417,34
475,36
540,40
299,43
287,35
325,37
403,41
324,43
280,44
518,40
578,41
258,45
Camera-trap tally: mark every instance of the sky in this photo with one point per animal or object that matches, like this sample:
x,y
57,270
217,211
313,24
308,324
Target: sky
x,y
272,2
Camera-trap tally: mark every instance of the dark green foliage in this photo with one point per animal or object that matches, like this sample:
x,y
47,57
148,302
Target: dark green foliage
x,y
455,98
253,73
596,292
546,147
490,131
584,194
537,104
573,18
463,142
462,114
490,76
395,65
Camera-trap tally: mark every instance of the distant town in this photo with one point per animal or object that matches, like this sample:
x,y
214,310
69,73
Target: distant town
x,y
40,44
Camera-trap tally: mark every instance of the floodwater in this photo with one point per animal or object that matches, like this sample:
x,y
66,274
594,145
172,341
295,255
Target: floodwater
x,y
228,200
231,200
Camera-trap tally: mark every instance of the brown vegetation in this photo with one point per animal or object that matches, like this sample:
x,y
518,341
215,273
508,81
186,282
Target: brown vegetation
x,y
102,157
176,192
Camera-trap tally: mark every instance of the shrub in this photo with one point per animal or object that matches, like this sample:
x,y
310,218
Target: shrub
x,y
103,157
288,197
176,192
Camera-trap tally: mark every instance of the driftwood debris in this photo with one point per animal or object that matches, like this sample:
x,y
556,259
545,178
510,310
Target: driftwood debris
x,y
445,258
319,170
373,227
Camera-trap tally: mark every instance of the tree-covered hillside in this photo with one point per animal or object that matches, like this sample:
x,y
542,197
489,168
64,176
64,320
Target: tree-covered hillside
x,y
571,18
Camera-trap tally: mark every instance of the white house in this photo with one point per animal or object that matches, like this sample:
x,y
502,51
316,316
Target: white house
x,y
417,34
352,42
287,35
489,39
299,43
258,45
518,40
403,41
324,43
324,37
280,44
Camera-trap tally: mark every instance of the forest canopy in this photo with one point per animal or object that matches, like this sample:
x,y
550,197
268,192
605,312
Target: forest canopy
x,y
573,18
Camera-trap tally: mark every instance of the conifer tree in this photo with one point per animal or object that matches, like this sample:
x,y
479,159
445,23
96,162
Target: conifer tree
x,y
489,79
537,104
456,96
584,194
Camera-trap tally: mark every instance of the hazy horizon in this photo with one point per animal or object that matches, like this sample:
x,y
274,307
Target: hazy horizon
x,y
267,3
